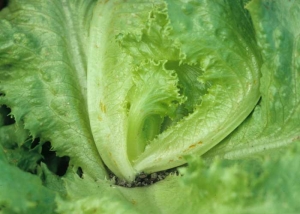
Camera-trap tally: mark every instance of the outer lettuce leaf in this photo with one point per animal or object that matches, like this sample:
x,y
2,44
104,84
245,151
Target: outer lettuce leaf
x,y
275,122
15,144
268,184
43,75
22,192
52,181
138,50
87,195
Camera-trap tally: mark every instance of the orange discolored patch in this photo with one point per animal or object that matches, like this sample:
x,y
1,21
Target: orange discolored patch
x,y
133,201
102,107
192,146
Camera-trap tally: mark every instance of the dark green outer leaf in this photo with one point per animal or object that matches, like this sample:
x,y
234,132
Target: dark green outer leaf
x,y
22,192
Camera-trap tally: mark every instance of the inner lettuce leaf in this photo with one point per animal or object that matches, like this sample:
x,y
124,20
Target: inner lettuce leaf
x,y
145,111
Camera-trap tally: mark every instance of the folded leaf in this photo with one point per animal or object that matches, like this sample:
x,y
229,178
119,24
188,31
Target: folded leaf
x,y
168,79
275,122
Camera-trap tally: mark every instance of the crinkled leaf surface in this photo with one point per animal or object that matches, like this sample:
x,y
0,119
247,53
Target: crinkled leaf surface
x,y
87,195
145,112
43,75
266,183
16,145
43,83
224,48
22,192
275,122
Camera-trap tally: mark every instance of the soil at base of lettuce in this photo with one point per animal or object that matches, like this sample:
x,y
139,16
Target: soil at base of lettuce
x,y
143,179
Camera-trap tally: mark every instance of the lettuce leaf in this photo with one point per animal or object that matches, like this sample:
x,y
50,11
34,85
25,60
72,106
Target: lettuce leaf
x,y
257,185
43,75
22,192
138,80
275,121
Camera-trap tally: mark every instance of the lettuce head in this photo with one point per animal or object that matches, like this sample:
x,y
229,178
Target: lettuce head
x,y
98,96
